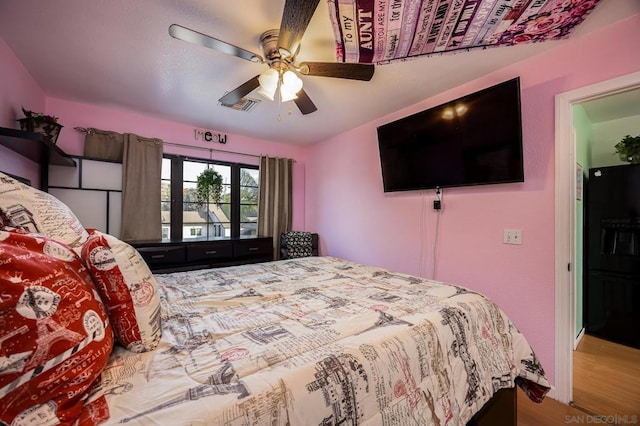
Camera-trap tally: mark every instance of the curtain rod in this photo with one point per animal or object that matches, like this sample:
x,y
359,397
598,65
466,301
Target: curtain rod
x,y
209,149
87,130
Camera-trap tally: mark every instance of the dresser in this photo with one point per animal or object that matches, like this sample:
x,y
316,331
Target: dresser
x,y
190,254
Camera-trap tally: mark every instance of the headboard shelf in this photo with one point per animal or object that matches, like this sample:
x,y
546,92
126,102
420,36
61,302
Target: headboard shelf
x,y
34,147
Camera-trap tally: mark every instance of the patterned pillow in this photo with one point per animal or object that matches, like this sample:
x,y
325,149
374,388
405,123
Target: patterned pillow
x,y
127,288
55,338
298,244
27,208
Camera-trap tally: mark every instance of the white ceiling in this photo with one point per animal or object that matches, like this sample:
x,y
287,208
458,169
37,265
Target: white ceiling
x,y
612,107
118,53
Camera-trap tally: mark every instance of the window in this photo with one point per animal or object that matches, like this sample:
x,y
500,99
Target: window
x,y
183,217
249,178
165,198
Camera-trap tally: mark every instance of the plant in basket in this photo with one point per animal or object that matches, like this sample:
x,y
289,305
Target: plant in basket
x,y
36,122
209,186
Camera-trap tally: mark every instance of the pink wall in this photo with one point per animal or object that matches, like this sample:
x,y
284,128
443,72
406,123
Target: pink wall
x,y
356,220
17,89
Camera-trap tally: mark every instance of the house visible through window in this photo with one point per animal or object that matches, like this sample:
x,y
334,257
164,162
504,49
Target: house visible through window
x,y
236,216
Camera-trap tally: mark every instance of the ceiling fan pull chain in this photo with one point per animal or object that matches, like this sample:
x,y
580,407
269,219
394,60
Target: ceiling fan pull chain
x,y
279,108
279,95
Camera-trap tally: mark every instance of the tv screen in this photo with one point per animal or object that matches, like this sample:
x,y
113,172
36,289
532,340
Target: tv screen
x,y
473,140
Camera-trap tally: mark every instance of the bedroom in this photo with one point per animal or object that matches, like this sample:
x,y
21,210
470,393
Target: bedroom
x,y
375,229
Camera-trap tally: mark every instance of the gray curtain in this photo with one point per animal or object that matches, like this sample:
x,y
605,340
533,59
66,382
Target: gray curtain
x,y
274,199
104,145
141,173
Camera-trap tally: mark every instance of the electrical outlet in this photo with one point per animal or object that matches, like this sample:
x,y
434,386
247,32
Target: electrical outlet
x,y
513,236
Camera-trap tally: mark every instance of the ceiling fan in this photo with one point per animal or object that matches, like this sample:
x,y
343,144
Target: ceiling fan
x,y
280,48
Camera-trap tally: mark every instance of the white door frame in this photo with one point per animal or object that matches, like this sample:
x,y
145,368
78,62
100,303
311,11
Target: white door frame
x,y
565,185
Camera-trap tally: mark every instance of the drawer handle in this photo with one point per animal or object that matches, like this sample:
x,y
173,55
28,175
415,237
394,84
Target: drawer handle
x,y
157,256
211,252
253,248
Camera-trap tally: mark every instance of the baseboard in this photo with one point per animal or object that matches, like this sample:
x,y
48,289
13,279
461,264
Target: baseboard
x,y
578,339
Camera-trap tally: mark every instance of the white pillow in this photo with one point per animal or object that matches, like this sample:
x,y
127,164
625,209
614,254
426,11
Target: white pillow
x,y
24,207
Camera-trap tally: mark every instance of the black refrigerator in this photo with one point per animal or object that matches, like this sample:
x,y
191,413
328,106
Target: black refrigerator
x,y
612,293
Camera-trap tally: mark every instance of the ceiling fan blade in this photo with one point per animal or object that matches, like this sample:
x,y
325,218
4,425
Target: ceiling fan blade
x,y
186,34
295,19
240,92
304,103
353,71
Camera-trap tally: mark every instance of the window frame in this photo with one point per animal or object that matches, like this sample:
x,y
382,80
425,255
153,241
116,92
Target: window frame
x,y
176,202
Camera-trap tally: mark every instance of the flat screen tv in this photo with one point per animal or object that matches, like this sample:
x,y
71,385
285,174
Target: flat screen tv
x,y
473,140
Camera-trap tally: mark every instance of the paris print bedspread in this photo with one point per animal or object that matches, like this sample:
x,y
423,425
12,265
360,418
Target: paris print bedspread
x,y
318,340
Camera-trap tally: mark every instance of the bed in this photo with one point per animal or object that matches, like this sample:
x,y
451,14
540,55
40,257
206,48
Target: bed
x,y
314,340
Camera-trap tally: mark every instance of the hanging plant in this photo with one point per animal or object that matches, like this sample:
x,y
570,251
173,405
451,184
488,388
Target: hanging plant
x,y
629,149
209,186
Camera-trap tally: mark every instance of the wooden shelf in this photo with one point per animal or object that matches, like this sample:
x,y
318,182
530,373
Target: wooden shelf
x,y
34,147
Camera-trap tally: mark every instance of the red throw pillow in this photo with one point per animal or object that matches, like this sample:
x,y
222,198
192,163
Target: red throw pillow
x,y
55,337
128,289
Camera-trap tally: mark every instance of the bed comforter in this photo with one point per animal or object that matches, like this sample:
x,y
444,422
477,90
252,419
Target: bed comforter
x,y
318,340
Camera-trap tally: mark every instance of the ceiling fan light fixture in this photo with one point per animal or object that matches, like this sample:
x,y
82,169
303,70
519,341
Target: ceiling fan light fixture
x,y
287,96
288,82
290,86
266,94
269,80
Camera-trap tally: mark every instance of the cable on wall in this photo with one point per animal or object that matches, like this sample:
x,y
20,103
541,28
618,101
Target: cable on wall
x,y
437,206
423,218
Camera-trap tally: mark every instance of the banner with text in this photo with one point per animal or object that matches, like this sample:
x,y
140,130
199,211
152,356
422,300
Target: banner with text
x,y
379,31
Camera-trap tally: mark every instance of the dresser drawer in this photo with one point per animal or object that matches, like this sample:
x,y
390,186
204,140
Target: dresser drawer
x,y
253,247
184,255
218,250
163,255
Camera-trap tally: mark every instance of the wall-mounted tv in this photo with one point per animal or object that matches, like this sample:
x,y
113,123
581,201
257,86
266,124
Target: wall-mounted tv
x,y
473,140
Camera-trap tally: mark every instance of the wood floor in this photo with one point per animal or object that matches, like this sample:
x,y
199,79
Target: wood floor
x,y
606,377
548,413
606,389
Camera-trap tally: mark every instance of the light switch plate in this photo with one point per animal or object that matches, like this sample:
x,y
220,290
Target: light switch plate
x,y
513,236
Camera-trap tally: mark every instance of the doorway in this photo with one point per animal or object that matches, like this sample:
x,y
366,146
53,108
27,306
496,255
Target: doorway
x,y
565,218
